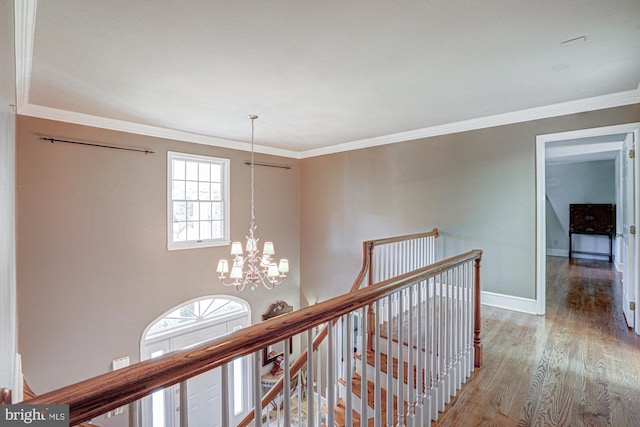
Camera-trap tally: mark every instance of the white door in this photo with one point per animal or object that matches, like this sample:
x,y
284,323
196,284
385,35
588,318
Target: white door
x,y
203,391
628,239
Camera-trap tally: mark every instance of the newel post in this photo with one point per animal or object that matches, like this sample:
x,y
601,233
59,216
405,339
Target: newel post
x,y
477,320
5,396
367,249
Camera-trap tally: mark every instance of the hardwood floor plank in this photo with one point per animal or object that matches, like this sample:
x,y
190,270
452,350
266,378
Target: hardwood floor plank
x,y
577,366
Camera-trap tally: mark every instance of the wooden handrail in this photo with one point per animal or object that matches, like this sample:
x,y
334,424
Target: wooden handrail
x,y
5,396
98,395
433,233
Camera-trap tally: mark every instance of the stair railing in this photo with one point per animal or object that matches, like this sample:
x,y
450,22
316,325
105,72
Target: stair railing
x,y
104,393
381,259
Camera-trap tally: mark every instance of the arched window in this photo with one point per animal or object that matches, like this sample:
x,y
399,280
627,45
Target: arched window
x,y
195,313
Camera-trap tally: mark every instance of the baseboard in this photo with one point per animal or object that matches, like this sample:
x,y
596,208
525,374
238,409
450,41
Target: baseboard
x,y
618,264
558,252
524,305
565,253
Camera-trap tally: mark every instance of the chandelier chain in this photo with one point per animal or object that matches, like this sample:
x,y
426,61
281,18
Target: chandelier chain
x,y
253,118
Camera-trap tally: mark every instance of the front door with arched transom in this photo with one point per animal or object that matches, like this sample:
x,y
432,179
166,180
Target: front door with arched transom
x,y
187,325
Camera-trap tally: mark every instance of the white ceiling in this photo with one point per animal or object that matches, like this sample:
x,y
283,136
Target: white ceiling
x,y
323,76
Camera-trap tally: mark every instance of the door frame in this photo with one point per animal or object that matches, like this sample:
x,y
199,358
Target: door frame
x,y
541,244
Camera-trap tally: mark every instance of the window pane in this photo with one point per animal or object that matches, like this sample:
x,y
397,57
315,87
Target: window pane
x,y
178,169
204,189
205,229
205,211
204,171
216,191
179,231
192,190
192,171
193,230
194,183
216,211
179,211
193,211
216,173
216,230
177,190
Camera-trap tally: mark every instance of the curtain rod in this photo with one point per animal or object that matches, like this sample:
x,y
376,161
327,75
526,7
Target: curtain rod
x,y
93,144
269,165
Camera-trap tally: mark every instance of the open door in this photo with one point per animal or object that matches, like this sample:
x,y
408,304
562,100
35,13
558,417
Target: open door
x,y
630,264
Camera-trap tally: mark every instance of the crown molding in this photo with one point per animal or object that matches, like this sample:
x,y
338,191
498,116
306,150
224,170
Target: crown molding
x,y
25,30
66,116
587,104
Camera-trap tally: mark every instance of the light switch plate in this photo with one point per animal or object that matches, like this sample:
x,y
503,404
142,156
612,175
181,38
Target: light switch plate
x,y
118,364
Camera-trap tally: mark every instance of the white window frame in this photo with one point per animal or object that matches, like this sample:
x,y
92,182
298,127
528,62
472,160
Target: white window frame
x,y
200,243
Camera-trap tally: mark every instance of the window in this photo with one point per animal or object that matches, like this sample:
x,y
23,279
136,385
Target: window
x,y
197,311
198,201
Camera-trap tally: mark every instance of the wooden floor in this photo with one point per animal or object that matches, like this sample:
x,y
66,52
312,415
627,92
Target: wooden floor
x,y
577,366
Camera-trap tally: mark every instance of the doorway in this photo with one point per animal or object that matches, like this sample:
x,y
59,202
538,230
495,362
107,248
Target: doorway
x,y
187,325
584,145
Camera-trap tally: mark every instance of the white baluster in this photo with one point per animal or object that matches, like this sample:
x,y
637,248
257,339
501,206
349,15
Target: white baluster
x,y
438,347
429,351
348,368
364,389
134,414
470,309
377,390
224,398
470,364
412,342
331,377
389,364
310,380
286,390
184,405
446,366
319,387
339,341
458,328
401,386
418,421
257,390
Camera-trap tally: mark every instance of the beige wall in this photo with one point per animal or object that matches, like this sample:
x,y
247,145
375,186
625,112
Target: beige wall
x,y
93,268
477,187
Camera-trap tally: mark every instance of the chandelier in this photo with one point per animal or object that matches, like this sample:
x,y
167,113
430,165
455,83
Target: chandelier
x,y
253,268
